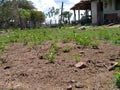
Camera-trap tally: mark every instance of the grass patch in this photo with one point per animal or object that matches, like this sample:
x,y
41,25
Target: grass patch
x,y
84,38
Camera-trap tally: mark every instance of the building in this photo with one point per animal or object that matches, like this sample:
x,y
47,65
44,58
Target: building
x,y
102,11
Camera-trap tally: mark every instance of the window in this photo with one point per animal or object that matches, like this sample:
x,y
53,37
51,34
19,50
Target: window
x,y
117,4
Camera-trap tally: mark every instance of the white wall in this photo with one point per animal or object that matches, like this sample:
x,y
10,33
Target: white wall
x,y
94,12
110,7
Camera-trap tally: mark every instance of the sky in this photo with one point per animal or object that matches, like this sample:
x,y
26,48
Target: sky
x,y
44,5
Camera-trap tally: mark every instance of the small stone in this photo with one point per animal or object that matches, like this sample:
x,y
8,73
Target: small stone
x,y
100,64
7,67
81,65
63,60
78,85
73,81
82,52
69,87
71,65
82,28
100,51
75,70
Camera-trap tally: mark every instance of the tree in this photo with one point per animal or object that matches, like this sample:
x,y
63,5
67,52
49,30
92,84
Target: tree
x,y
23,7
6,11
52,13
24,4
25,17
37,17
15,10
66,15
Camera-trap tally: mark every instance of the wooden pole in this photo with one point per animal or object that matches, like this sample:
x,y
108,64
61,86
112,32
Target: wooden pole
x,y
78,15
74,16
62,11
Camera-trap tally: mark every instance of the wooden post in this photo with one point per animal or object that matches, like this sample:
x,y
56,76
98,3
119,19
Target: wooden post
x,y
86,15
62,11
74,16
100,12
78,15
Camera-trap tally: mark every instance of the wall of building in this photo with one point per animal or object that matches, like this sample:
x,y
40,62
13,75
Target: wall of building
x,y
110,8
94,12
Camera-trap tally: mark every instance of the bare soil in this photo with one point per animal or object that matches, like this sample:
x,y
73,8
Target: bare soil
x,y
24,67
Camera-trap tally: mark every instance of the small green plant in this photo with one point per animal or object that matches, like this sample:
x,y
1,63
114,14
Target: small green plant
x,y
76,56
50,57
117,68
55,47
66,49
84,41
117,77
95,44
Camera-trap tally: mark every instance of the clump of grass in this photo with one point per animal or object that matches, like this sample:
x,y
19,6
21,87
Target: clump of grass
x,y
55,47
95,44
84,41
116,40
77,58
66,40
67,49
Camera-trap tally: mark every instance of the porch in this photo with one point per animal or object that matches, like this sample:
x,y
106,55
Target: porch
x,y
82,5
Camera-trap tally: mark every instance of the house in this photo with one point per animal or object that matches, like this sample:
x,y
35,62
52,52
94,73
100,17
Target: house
x,y
102,11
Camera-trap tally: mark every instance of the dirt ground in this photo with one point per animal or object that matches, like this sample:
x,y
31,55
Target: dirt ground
x,y
21,68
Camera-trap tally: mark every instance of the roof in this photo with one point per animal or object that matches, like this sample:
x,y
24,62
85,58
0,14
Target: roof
x,y
82,5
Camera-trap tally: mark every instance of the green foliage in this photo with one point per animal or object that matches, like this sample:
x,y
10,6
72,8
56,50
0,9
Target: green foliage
x,y
76,56
66,49
24,14
95,44
36,36
55,47
84,41
37,17
25,4
50,57
67,15
117,77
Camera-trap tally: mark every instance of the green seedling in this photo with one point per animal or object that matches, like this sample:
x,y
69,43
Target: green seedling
x,y
117,77
76,57
50,57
